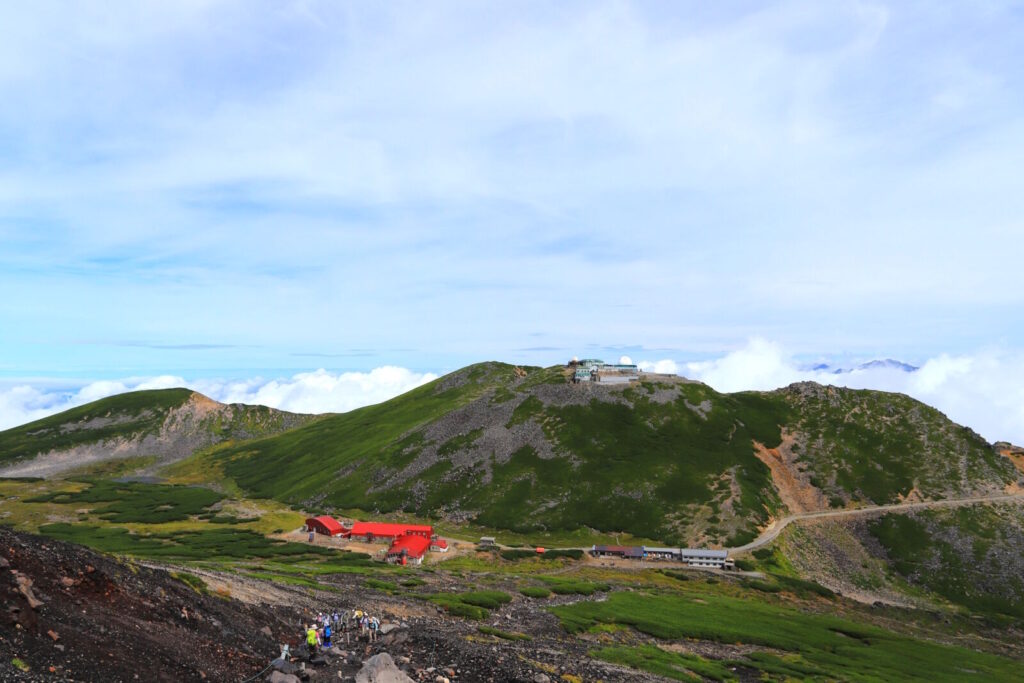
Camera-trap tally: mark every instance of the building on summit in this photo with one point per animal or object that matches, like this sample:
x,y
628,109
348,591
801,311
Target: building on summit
x,y
595,370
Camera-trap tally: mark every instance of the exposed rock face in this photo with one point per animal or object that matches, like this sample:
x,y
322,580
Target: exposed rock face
x,y
71,614
381,669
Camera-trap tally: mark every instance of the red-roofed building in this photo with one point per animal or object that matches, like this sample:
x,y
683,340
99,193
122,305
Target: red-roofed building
x,y
325,525
438,545
408,549
386,532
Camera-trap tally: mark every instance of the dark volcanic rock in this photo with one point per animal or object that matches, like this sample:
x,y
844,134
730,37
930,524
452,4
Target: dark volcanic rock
x,y
72,614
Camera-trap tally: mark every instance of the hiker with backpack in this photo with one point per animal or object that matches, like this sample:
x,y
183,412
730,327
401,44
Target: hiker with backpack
x,y
374,629
327,633
312,640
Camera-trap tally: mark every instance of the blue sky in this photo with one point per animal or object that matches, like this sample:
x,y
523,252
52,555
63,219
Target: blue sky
x,y
241,189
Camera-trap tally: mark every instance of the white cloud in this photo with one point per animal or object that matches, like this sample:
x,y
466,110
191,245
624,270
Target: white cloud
x,y
983,390
662,367
759,365
308,392
320,391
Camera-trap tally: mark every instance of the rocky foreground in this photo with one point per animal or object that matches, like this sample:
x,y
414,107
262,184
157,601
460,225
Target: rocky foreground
x,y
71,614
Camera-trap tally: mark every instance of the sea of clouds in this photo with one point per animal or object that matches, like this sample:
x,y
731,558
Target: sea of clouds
x,y
982,390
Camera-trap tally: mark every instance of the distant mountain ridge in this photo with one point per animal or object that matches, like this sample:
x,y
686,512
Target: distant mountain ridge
x,y
165,425
883,364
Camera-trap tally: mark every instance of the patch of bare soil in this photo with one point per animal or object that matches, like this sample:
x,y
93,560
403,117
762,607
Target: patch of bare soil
x,y
1015,455
912,496
795,490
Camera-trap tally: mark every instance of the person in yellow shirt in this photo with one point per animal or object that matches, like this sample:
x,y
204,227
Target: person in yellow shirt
x,y
312,640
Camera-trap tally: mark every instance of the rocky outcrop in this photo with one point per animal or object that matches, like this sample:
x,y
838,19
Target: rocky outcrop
x,y
381,669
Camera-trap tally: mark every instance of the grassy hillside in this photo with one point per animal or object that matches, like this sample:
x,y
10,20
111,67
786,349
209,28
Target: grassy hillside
x,y
877,447
136,412
165,425
969,556
532,452
664,459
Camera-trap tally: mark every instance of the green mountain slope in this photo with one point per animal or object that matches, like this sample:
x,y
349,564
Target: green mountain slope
x,y
878,447
166,425
134,412
666,459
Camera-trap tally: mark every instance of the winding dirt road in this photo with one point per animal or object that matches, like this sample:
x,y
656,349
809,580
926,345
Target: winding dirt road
x,y
775,528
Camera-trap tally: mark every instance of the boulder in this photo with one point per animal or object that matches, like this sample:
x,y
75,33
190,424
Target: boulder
x,y
388,628
278,677
381,669
284,666
25,586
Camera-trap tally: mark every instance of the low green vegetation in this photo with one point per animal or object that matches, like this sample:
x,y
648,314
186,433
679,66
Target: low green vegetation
x,y
191,580
229,519
135,502
188,545
504,635
460,442
674,665
287,579
963,555
472,605
873,446
566,586
383,586
801,588
821,643
555,554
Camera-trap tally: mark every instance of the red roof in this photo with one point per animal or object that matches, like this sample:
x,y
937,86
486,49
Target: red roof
x,y
393,530
415,546
440,543
324,525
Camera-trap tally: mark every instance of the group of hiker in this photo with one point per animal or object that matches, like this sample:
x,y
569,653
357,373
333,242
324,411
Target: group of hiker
x,y
321,632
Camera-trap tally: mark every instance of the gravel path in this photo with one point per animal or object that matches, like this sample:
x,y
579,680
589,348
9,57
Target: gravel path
x,y
776,528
